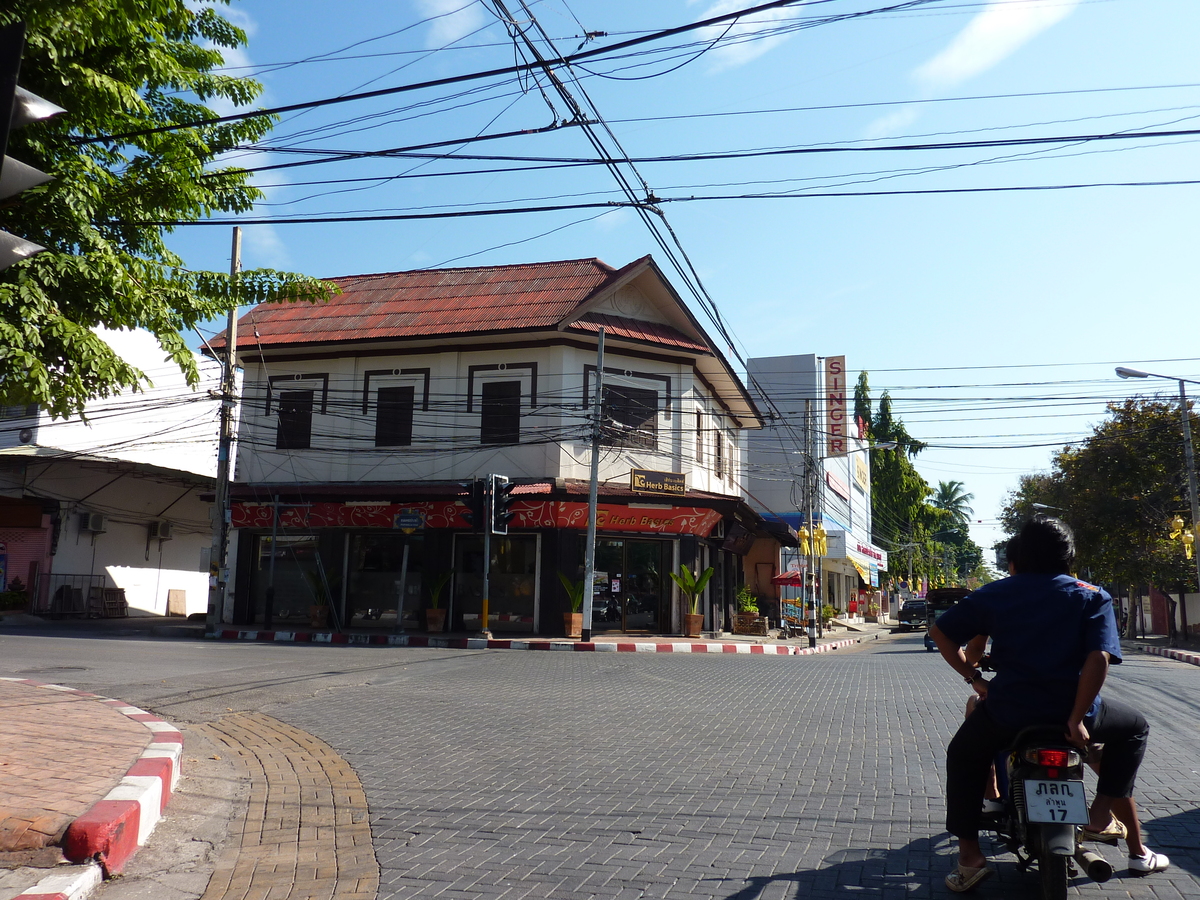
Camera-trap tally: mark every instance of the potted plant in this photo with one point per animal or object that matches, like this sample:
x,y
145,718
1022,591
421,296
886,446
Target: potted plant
x,y
744,620
692,586
573,620
435,617
827,614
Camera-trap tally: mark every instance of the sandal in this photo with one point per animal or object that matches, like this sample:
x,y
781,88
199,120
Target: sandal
x,y
1109,834
963,878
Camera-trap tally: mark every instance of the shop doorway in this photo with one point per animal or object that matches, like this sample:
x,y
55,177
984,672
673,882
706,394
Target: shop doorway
x,y
632,591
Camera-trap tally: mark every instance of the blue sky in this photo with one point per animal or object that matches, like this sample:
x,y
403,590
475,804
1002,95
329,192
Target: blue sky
x,y
1024,299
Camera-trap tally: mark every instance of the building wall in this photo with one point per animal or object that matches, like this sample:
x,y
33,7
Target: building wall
x,y
446,445
169,424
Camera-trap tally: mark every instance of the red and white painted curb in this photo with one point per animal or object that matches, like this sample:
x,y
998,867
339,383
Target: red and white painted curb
x,y
406,640
1181,655
112,830
70,883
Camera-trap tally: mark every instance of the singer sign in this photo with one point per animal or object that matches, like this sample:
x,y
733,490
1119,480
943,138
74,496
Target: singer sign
x,y
835,406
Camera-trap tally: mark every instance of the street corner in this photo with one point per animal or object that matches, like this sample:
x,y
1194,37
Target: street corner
x,y
105,773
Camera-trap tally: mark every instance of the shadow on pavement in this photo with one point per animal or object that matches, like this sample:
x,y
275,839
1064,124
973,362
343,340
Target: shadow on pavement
x,y
919,868
1178,836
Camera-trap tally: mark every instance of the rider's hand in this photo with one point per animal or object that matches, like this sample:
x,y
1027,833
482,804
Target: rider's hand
x,y
980,686
1078,735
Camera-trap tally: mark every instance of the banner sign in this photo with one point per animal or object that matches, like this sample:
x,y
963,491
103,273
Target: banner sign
x,y
836,439
647,481
451,514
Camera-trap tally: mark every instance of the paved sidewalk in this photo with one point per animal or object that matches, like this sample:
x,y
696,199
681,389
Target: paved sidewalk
x,y
59,754
82,778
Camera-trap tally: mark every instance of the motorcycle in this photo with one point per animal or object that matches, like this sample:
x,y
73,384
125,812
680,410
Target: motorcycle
x,y
1044,806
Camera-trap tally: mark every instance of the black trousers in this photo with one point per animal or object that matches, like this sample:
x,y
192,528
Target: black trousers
x,y
1122,730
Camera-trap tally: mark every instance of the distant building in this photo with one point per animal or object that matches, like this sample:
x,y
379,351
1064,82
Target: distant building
x,y
794,389
366,420
111,502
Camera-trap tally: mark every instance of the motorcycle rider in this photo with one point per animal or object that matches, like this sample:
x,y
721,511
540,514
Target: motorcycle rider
x,y
1053,638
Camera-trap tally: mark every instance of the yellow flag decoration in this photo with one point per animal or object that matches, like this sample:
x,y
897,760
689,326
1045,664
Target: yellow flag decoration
x,y
820,544
805,546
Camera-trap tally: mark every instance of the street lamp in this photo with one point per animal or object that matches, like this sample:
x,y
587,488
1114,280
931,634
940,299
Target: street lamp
x,y
1188,456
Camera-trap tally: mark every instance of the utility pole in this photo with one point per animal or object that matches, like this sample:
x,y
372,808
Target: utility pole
x,y
810,578
589,552
218,569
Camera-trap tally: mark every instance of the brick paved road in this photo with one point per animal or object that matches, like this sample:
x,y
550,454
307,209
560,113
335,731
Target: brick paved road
x,y
587,775
548,775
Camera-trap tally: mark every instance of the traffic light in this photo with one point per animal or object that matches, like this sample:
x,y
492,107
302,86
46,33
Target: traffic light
x,y
18,107
501,501
476,504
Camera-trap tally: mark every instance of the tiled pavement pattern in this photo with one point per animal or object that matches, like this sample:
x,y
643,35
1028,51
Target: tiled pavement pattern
x,y
735,777
304,833
59,761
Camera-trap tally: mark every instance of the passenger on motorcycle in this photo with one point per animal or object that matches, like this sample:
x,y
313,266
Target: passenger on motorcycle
x,y
1053,638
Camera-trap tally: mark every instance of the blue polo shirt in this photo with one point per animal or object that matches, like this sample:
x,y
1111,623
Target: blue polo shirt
x,y
1042,629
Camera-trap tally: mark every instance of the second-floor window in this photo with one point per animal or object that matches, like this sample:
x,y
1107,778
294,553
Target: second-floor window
x,y
295,421
394,417
631,417
699,436
500,412
718,454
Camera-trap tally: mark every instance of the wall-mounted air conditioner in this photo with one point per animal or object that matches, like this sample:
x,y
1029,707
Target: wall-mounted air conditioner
x,y
93,522
160,530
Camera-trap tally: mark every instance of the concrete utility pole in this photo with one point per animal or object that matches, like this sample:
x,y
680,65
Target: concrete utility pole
x,y
589,552
810,577
218,570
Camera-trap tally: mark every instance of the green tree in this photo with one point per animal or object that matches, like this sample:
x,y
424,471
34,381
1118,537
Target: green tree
x,y
1118,491
951,497
862,400
121,69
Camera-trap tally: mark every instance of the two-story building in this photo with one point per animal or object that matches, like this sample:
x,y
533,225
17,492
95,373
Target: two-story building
x,y
367,419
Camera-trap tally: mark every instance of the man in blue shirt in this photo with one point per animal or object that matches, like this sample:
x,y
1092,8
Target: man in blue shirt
x,y
1053,638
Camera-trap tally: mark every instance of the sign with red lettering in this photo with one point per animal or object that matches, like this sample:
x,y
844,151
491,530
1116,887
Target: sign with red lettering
x,y
836,443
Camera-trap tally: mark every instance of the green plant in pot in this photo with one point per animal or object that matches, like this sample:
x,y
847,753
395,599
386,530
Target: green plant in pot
x,y
692,586
573,620
435,616
746,602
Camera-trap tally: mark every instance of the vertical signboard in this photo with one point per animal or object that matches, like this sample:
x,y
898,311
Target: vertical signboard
x,y
835,406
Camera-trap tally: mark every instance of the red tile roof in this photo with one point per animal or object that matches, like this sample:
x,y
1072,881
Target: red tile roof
x,y
445,302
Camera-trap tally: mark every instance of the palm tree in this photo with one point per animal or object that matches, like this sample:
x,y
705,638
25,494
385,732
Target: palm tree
x,y
951,497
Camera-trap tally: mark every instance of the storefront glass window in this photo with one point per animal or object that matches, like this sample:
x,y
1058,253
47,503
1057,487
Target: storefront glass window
x,y
307,573
512,599
376,570
632,591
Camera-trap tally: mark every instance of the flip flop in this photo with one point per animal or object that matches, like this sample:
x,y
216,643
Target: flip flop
x,y
963,878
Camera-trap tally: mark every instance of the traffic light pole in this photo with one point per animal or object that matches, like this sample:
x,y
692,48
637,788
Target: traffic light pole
x,y
489,506
589,553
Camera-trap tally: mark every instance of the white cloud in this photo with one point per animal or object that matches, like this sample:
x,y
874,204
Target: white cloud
x,y
997,32
743,49
264,247
455,19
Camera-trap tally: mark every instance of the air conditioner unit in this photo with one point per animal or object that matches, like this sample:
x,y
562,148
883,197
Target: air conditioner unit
x,y
92,522
160,530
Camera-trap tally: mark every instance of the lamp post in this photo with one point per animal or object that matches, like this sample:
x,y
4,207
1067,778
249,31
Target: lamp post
x,y
1189,458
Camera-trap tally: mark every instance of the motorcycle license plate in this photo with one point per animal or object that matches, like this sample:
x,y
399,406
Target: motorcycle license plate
x,y
1056,801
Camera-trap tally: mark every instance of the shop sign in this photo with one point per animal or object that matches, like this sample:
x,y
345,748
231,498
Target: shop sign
x,y
838,486
409,520
647,481
862,475
835,406
611,517
436,514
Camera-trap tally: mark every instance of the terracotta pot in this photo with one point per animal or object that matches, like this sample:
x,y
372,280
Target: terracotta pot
x,y
573,624
693,624
435,620
318,616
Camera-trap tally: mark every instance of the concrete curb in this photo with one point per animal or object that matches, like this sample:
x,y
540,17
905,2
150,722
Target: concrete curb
x,y
1181,655
405,640
112,830
75,884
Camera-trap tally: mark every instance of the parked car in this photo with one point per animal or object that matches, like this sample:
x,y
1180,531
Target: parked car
x,y
912,615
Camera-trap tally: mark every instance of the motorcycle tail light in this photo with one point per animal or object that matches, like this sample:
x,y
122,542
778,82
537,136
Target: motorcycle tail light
x,y
1059,759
